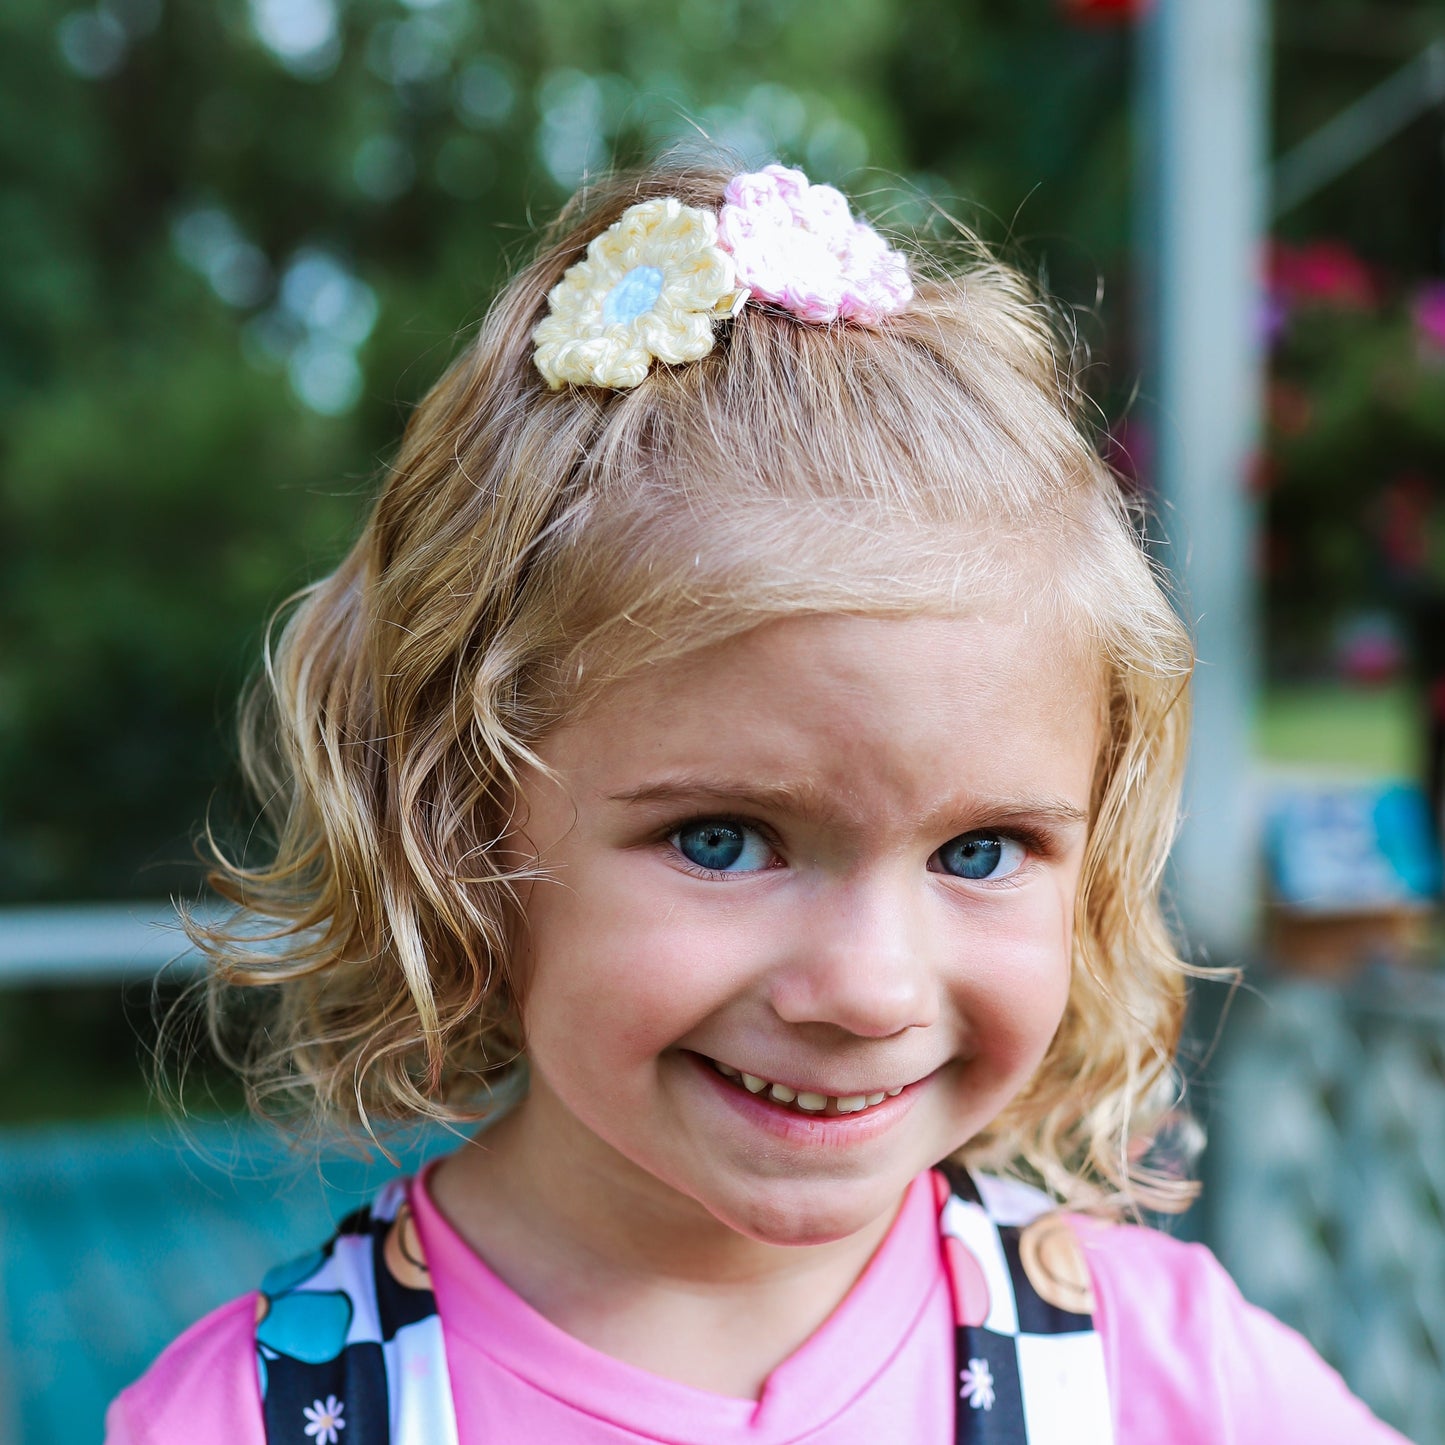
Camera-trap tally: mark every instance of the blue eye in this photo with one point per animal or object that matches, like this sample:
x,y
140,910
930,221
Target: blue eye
x,y
981,855
722,847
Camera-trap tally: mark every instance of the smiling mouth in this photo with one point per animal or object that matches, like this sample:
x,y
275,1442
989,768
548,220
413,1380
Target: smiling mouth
x,y
817,1106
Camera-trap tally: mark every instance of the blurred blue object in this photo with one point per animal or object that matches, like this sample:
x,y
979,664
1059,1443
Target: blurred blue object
x,y
1351,847
115,1238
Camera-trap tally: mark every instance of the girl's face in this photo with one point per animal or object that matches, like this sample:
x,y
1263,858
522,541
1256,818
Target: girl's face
x,y
808,918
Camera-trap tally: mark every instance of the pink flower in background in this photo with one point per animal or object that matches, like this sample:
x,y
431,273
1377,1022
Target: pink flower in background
x,y
1368,649
1326,273
1129,449
1428,310
798,246
1273,319
1290,407
1406,514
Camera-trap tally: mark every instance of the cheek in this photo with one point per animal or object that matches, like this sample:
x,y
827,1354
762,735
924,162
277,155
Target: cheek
x,y
629,961
1021,970
1028,990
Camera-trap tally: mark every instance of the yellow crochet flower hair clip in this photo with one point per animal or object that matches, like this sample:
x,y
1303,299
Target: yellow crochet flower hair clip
x,y
654,284
650,288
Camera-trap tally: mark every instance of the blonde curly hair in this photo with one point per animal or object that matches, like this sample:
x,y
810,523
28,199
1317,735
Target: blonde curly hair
x,y
531,546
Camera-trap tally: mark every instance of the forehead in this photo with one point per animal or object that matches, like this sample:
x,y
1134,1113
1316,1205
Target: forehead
x,y
848,705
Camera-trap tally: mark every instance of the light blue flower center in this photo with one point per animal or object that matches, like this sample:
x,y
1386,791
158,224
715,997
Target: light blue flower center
x,y
633,296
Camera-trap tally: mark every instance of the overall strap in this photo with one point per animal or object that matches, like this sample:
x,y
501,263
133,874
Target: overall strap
x,y
1029,1370
339,1331
349,1344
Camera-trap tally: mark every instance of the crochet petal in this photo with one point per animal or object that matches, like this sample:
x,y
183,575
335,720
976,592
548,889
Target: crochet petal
x,y
677,283
799,246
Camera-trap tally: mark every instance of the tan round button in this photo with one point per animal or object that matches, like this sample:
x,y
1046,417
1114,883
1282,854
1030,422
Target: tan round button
x,y
402,1252
1053,1260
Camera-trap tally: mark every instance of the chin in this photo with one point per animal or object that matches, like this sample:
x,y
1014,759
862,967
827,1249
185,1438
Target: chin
x,y
789,1214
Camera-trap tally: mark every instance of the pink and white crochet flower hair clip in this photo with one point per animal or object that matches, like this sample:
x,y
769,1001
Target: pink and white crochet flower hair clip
x,y
656,283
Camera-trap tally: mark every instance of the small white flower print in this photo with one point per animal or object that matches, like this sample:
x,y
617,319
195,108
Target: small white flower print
x,y
976,1385
324,1420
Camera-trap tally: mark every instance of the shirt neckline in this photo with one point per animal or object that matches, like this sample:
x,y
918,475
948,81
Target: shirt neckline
x,y
838,1363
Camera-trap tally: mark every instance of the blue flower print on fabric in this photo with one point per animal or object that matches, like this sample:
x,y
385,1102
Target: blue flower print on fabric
x,y
287,1276
309,1326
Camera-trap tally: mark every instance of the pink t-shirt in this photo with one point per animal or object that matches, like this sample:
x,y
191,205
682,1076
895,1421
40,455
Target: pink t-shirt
x,y
1188,1361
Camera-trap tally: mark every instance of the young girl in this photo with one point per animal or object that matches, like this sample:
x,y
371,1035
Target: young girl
x,y
736,762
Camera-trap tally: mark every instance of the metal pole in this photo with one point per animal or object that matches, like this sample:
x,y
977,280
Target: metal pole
x,y
1202,117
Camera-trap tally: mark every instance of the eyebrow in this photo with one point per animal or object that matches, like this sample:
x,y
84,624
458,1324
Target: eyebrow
x,y
807,800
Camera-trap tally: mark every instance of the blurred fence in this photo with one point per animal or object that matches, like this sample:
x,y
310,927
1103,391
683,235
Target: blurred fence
x,y
115,1236
1326,1177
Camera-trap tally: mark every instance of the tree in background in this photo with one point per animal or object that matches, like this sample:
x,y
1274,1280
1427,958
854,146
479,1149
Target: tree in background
x,y
238,238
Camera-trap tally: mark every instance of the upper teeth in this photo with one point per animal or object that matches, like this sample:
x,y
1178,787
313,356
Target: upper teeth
x,y
813,1103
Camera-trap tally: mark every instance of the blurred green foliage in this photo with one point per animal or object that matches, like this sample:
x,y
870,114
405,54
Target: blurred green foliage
x,y
1352,478
1354,481
68,1053
239,237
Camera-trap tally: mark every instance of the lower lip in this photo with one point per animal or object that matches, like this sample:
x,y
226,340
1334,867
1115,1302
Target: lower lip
x,y
826,1131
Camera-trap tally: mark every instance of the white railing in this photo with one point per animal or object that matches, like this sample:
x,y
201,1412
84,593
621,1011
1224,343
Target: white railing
x,y
91,942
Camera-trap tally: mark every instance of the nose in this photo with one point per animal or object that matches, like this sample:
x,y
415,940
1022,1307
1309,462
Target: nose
x,y
860,958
